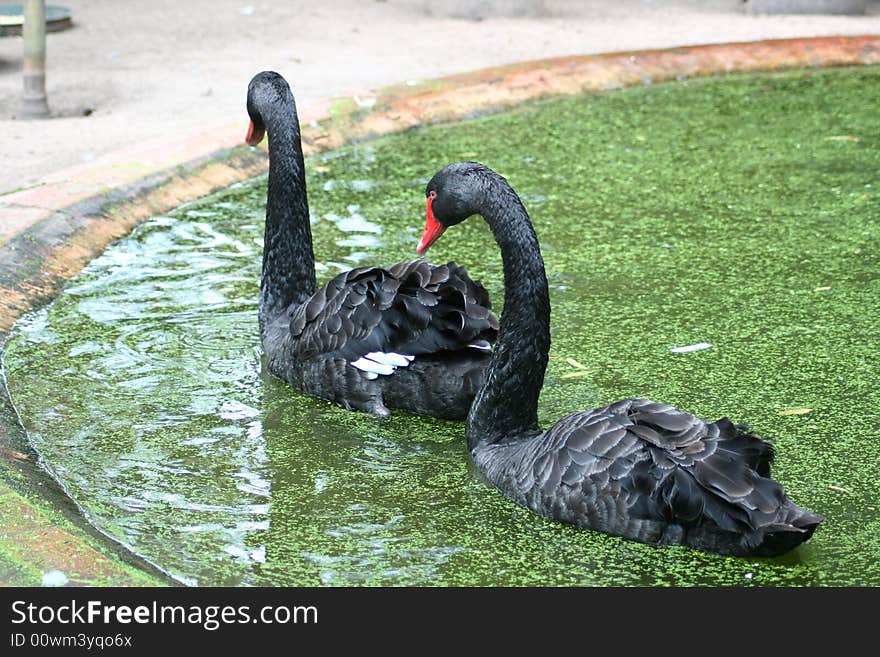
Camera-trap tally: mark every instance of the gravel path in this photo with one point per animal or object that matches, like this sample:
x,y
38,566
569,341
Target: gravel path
x,y
144,69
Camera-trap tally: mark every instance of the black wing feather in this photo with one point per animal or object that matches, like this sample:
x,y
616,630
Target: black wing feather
x,y
658,463
413,308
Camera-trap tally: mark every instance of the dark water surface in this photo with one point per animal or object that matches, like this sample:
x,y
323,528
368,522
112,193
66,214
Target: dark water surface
x,y
741,212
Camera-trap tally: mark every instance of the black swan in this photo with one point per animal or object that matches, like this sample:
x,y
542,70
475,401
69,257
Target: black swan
x,y
637,468
415,336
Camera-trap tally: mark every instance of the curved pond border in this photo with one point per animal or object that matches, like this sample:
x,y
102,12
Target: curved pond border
x,y
71,217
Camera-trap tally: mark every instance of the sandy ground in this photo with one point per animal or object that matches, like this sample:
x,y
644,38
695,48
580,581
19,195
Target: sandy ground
x,y
139,69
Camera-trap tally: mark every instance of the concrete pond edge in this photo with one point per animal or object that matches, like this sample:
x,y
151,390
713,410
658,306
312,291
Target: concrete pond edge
x,y
70,217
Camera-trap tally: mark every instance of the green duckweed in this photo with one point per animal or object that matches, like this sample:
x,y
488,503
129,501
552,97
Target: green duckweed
x,y
739,211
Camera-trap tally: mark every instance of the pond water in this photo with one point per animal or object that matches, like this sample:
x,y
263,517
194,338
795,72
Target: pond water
x,y
737,211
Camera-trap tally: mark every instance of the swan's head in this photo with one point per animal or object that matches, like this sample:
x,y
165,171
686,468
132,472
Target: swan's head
x,y
265,91
453,194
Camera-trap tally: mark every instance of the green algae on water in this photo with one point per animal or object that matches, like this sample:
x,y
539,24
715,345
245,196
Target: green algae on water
x,y
739,211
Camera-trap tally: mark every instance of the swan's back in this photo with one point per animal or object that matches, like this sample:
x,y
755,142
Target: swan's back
x,y
653,473
414,336
414,308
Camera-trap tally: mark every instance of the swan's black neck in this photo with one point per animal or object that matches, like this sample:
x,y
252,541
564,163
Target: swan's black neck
x,y
506,407
288,259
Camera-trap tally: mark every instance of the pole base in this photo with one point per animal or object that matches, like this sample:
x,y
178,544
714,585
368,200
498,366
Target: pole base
x,y
34,108
33,98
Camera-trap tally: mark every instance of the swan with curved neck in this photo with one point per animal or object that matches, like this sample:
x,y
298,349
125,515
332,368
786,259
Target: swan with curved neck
x,y
636,468
413,336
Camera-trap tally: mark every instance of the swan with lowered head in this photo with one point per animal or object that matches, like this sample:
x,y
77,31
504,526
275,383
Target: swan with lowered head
x,y
414,336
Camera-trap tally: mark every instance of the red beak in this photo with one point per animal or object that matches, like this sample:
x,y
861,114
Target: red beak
x,y
433,228
254,134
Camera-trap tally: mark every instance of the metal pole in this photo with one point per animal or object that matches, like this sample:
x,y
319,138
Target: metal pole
x,y
34,104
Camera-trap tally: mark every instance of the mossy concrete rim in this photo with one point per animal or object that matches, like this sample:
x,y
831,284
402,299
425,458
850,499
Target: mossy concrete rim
x,y
73,216
42,528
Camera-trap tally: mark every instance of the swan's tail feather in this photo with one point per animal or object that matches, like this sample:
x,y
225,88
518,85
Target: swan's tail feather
x,y
770,540
757,452
750,513
793,524
780,537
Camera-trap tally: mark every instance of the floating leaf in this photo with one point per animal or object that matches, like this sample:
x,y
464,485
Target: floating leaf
x,y
840,489
822,289
54,578
366,101
796,411
578,374
843,138
574,363
691,347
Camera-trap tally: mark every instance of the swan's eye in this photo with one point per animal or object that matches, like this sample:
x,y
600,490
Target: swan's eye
x,y
432,195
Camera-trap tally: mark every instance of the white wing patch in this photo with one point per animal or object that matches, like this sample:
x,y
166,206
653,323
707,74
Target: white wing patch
x,y
381,362
481,345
